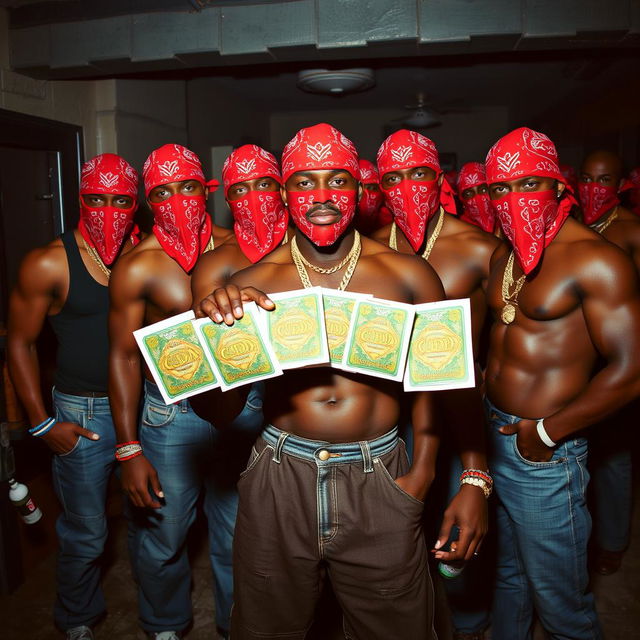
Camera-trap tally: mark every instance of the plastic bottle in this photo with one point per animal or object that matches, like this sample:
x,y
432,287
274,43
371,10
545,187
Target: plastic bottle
x,y
21,498
449,571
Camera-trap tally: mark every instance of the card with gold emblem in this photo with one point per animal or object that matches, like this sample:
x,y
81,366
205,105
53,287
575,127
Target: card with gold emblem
x,y
174,355
379,338
338,309
239,354
296,328
441,349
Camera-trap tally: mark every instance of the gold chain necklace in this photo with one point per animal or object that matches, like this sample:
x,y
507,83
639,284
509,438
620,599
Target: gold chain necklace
x,y
96,258
393,240
510,300
352,258
211,245
604,225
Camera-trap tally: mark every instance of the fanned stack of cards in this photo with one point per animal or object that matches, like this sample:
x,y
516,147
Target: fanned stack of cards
x,y
427,345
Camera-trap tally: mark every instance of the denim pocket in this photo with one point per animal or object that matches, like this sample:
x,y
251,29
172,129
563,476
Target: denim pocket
x,y
157,415
550,463
253,460
388,479
70,414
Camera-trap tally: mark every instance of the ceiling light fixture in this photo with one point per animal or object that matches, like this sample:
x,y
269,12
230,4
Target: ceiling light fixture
x,y
336,82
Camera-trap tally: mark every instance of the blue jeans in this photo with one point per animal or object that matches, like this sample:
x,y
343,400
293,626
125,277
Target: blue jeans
x,y
543,526
188,454
81,480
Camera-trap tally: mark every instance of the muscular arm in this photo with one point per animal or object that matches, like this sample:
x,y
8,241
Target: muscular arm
x,y
213,270
611,308
42,284
126,314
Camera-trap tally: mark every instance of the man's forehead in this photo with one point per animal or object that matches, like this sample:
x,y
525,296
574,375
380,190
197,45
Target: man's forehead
x,y
521,180
176,182
319,172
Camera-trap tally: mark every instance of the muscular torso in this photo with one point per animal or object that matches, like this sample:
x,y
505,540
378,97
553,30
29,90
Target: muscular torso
x,y
624,232
323,403
460,257
541,361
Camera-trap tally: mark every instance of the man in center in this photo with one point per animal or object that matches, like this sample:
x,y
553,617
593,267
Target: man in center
x,y
329,487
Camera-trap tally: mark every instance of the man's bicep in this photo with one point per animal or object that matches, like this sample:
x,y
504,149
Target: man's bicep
x,y
126,313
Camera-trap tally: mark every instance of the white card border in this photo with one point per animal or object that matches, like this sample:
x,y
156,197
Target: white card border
x,y
470,378
251,309
410,308
140,335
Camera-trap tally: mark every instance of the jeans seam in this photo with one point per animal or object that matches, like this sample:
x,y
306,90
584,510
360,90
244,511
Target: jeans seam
x,y
334,501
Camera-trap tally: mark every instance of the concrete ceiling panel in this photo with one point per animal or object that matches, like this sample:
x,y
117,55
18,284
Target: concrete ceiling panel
x,y
351,23
31,46
158,36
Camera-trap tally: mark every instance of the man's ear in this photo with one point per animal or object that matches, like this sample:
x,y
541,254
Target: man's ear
x,y
360,190
440,179
206,192
560,187
283,195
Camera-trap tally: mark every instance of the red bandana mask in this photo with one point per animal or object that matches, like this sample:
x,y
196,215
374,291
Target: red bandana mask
x,y
371,201
181,223
413,202
260,217
632,185
529,220
477,210
106,228
596,199
317,148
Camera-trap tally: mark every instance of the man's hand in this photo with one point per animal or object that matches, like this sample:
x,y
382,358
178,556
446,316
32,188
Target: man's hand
x,y
528,441
138,479
225,303
64,436
467,511
409,485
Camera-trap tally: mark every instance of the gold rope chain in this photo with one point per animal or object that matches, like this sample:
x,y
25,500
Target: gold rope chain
x,y
352,258
603,226
510,299
96,258
393,240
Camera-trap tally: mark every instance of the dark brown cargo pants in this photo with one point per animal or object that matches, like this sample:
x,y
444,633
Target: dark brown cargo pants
x,y
305,505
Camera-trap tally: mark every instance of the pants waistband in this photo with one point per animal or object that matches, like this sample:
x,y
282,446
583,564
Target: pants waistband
x,y
151,390
323,452
83,403
83,394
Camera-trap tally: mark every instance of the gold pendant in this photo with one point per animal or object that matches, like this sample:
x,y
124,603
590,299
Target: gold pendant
x,y
508,313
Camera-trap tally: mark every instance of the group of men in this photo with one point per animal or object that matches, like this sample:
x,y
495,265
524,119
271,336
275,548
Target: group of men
x,y
330,491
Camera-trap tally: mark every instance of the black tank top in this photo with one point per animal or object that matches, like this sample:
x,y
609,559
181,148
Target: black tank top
x,y
81,328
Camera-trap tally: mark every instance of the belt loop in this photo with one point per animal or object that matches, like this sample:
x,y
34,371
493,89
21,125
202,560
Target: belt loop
x,y
366,457
277,452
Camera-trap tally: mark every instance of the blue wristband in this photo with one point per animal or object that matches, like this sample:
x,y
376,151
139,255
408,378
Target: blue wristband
x,y
43,427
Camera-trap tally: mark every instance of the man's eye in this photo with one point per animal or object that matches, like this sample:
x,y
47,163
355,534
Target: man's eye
x,y
531,184
304,183
339,181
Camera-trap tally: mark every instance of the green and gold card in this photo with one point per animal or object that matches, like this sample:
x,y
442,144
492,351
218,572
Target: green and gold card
x,y
379,338
296,328
441,349
239,354
174,355
338,310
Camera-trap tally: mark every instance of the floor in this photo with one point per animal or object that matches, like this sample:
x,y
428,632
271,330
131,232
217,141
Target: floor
x,y
26,613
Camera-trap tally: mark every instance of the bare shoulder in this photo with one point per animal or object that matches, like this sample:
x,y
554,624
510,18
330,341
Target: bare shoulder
x,y
44,267
136,268
468,235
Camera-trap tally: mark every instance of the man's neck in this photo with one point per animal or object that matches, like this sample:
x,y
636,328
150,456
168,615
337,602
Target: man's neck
x,y
331,253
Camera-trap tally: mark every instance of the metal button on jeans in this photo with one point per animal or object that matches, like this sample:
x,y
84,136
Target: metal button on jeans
x,y
324,455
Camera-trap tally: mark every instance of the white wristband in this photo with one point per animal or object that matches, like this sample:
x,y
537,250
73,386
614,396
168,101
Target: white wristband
x,y
544,436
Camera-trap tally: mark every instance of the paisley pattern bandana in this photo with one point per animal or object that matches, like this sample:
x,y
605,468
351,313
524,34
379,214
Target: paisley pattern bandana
x,y
260,217
596,199
106,228
476,210
368,214
632,185
529,220
181,223
317,148
414,202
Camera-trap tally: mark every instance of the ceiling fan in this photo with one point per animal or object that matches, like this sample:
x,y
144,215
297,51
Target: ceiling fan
x,y
422,115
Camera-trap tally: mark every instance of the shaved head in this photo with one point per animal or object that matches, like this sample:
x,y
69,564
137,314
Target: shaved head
x,y
602,166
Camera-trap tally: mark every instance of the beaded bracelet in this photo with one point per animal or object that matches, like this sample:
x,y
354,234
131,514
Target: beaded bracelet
x,y
42,428
128,450
478,478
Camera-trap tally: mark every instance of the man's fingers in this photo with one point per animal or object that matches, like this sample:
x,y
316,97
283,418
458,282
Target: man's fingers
x,y
155,485
465,541
85,433
257,296
229,303
209,308
508,429
445,531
